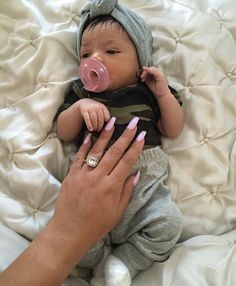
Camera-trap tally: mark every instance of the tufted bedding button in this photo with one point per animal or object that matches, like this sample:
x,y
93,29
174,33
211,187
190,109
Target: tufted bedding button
x,y
206,140
189,86
230,243
214,193
74,17
52,134
32,43
229,74
45,84
177,40
35,211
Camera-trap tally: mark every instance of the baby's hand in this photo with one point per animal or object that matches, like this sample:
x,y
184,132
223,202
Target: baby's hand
x,y
94,113
155,81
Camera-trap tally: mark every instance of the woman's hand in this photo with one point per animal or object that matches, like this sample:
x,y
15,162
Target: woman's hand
x,y
91,202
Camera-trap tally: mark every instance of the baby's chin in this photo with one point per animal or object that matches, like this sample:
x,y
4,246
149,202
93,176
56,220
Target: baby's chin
x,y
117,87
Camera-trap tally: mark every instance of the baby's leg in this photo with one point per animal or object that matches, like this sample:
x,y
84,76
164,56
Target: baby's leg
x,y
152,223
158,227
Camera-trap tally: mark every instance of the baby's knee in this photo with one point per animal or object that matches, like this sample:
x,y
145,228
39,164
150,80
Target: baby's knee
x,y
174,223
166,228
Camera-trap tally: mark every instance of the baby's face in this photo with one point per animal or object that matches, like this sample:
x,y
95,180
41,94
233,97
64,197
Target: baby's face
x,y
111,45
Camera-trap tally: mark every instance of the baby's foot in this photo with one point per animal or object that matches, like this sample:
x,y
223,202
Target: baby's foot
x,y
116,272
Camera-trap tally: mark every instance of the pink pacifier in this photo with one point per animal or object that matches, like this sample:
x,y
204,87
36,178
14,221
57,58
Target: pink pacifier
x,y
94,75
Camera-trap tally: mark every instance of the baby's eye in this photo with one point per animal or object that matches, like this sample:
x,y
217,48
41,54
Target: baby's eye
x,y
85,55
112,52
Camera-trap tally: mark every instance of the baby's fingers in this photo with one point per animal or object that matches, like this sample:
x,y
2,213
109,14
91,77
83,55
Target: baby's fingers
x,y
88,121
106,114
143,75
148,73
100,119
153,72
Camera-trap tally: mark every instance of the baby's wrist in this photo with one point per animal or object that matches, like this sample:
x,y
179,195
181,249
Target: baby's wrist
x,y
163,95
77,107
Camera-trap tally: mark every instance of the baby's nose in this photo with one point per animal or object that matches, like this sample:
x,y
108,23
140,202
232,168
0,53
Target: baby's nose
x,y
97,56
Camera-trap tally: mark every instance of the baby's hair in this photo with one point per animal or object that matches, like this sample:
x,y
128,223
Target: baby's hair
x,y
101,20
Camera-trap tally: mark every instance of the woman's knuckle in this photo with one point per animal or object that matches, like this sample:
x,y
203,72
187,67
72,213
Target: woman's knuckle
x,y
79,158
116,150
128,160
96,150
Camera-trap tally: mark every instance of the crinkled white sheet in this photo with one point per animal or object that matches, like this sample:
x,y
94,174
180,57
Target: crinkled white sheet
x,y
195,46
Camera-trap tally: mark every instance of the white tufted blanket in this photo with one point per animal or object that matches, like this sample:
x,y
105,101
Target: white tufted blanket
x,y
195,46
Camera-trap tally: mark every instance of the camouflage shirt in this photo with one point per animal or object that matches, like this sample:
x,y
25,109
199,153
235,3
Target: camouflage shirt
x,y
124,104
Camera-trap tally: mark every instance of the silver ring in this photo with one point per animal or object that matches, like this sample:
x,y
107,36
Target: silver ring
x,y
91,161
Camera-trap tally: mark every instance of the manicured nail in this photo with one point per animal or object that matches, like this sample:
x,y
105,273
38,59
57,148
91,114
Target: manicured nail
x,y
133,123
136,178
110,124
141,136
87,138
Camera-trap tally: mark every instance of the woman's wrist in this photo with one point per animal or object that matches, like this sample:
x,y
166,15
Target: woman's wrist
x,y
74,243
48,260
56,251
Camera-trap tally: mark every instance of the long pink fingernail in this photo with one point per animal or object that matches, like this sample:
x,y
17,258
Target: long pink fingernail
x,y
141,136
110,124
136,178
133,123
87,138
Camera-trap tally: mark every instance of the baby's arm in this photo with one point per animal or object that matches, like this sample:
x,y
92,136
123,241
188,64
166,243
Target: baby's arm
x,y
71,120
172,117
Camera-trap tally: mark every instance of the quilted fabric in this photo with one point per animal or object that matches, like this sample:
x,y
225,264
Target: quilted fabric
x,y
195,46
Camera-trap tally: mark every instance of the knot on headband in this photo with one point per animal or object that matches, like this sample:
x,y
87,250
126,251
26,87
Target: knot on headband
x,y
99,7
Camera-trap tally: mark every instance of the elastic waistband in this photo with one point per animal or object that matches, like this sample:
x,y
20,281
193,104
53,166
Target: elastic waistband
x,y
152,160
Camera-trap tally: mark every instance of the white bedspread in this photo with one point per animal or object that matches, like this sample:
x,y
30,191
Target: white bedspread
x,y
195,46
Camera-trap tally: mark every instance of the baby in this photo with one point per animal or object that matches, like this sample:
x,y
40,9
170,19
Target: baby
x,y
120,39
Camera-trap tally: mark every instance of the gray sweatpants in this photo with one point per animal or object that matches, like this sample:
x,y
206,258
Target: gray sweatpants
x,y
152,223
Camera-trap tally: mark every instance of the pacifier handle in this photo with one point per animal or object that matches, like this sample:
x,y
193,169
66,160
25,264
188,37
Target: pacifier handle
x,y
94,75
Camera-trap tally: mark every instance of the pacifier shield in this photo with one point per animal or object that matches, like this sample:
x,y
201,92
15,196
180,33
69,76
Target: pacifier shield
x,y
94,75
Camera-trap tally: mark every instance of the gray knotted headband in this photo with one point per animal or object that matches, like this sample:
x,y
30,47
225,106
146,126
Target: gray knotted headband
x,y
134,25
